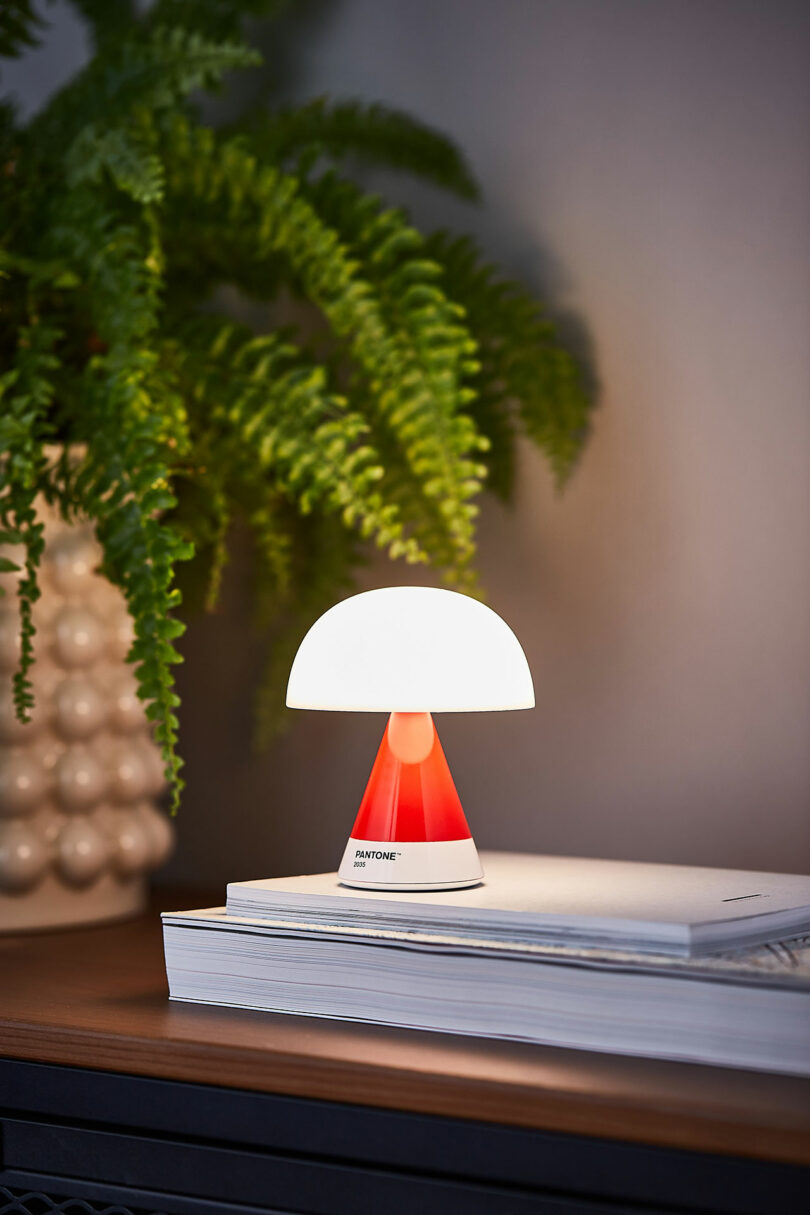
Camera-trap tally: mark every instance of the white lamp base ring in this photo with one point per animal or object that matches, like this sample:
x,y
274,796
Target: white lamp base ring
x,y
413,865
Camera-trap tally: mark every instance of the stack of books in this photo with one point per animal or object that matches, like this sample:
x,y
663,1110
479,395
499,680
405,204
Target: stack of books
x,y
706,965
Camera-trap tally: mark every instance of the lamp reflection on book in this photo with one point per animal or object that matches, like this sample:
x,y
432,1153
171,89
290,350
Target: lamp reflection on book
x,y
410,651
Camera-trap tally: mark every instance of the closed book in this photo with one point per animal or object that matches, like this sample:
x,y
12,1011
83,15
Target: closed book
x,y
677,909
745,1008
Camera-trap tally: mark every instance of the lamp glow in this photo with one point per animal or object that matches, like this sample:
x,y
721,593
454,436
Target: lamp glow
x,y
410,651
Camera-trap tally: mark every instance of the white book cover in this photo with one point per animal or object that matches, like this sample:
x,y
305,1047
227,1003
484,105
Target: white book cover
x,y
676,909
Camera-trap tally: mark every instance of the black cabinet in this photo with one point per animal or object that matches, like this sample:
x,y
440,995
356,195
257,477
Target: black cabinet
x,y
79,1141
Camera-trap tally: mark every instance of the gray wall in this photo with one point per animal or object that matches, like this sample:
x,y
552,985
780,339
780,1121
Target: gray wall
x,y
645,163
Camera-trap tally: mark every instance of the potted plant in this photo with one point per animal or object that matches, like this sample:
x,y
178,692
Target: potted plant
x,y
124,216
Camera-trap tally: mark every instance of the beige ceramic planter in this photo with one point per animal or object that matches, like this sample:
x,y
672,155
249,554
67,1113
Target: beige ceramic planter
x,y
78,826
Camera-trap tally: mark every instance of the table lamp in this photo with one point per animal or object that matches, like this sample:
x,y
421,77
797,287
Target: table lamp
x,y
410,651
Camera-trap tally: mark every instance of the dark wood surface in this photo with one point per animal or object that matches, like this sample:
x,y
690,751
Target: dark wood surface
x,y
97,998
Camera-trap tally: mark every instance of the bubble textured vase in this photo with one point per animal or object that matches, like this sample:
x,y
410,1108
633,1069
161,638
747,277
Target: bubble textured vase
x,y
79,829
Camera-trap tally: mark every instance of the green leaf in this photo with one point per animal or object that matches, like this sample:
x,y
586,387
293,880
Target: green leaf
x,y
23,431
124,155
522,364
149,73
412,353
368,133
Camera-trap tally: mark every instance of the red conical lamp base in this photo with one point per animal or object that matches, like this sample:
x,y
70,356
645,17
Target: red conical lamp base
x,y
410,832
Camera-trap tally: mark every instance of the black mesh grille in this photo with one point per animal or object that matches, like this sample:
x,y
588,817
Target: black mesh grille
x,y
32,1202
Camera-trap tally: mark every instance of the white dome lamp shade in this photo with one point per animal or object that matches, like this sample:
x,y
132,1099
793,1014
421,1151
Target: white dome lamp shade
x,y
410,651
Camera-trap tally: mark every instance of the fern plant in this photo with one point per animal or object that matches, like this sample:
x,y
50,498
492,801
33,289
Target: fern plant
x,y
123,216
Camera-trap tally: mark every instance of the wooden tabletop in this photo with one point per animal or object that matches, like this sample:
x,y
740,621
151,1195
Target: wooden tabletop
x,y
97,998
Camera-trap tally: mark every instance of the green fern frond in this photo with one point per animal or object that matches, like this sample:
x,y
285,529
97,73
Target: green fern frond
x,y
26,392
122,152
417,440
267,408
274,544
521,357
325,560
221,510
145,73
125,485
412,356
301,135
124,479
